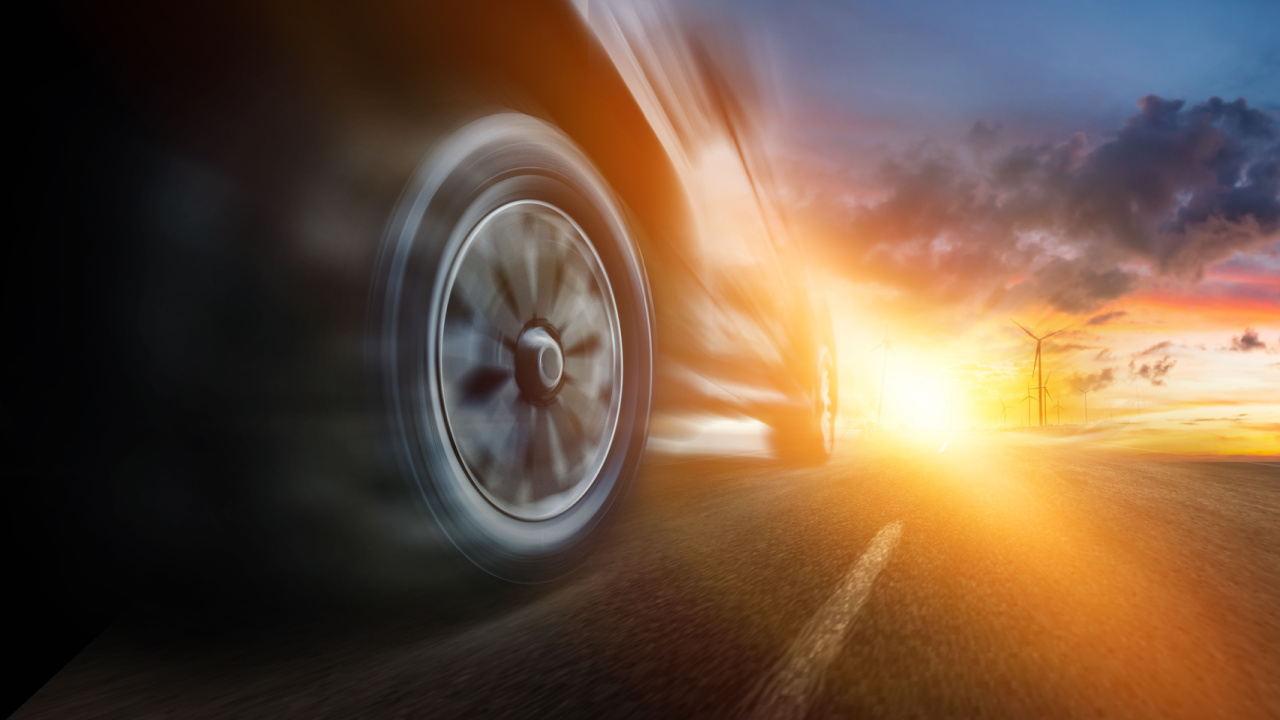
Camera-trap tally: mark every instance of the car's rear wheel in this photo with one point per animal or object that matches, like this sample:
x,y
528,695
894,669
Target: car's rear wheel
x,y
515,345
808,437
825,404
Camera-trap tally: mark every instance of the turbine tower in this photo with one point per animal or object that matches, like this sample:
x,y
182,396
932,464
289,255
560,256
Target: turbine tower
x,y
1004,414
884,364
1028,400
1045,415
1038,367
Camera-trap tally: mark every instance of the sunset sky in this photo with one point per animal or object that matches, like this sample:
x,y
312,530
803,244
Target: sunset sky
x,y
1107,168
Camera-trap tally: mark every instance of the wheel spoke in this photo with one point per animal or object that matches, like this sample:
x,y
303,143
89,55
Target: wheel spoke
x,y
558,477
550,275
506,288
532,442
483,383
538,461
471,344
513,255
588,345
496,314
548,264
569,432
583,406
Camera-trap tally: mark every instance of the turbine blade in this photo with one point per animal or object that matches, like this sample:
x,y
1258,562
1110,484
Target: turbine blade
x,y
868,352
1015,322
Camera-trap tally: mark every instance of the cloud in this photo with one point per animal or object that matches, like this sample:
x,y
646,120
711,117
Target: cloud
x,y
1075,286
982,136
1107,317
1059,348
1092,382
1155,373
1247,342
1158,347
1104,355
1075,224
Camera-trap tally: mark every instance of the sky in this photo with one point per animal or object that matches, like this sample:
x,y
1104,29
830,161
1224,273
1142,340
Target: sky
x,y
1108,169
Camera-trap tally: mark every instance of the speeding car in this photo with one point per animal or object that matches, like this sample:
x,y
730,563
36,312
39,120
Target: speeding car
x,y
292,254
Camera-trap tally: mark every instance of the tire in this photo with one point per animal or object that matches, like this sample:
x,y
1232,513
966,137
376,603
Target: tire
x,y
810,439
826,404
515,349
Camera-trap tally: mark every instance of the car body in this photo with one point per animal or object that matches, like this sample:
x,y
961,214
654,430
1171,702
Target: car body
x,y
266,222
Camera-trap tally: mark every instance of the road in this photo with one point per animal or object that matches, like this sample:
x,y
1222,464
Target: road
x,y
995,576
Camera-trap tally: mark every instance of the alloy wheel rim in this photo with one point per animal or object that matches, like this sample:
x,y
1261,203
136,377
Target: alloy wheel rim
x,y
529,360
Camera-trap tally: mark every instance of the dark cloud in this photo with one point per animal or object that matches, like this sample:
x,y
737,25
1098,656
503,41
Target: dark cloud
x,y
1071,223
1248,342
1075,286
1092,382
1158,347
1154,372
1182,187
982,137
1106,317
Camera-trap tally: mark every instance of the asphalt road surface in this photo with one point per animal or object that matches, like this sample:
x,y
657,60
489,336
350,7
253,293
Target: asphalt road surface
x,y
990,577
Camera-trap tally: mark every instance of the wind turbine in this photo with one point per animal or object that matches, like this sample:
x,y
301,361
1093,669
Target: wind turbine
x,y
1086,403
884,364
1038,366
1045,414
1004,414
1028,399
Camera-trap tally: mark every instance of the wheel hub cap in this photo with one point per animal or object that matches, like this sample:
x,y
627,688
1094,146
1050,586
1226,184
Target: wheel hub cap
x,y
539,364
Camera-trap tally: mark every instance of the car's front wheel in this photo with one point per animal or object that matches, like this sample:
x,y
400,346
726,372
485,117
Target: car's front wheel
x,y
515,345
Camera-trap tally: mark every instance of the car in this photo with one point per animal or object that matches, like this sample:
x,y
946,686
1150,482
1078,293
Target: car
x,y
293,258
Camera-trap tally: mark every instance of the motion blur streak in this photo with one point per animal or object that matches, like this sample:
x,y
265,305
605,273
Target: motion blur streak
x,y
1031,579
412,305
739,342
248,270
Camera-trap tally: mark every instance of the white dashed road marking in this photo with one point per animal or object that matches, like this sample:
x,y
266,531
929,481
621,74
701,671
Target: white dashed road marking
x,y
796,680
